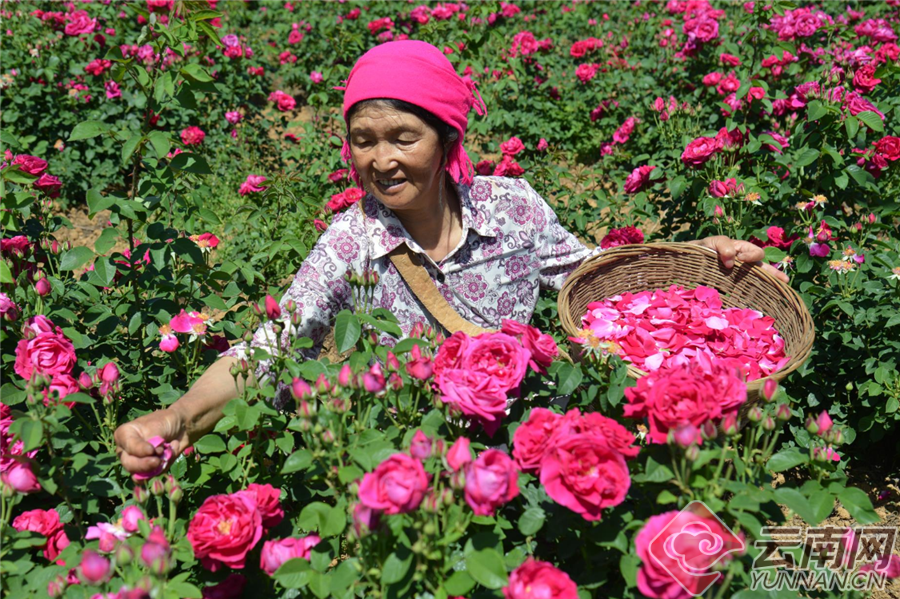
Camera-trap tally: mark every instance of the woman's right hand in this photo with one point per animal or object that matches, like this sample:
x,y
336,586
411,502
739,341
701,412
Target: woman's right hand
x,y
136,454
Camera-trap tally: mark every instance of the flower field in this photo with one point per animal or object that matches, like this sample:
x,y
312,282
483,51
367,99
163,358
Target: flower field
x,y
167,167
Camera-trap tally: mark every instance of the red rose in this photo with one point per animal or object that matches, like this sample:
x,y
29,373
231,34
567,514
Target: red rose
x,y
480,397
266,499
532,438
79,23
49,184
611,433
699,151
638,179
192,136
623,236
275,553
63,384
888,147
459,454
535,580
512,146
45,522
396,486
491,481
48,354
542,347
664,575
497,355
582,473
225,529
30,164
864,78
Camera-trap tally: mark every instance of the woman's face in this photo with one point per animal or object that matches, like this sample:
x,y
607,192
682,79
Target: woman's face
x,y
398,157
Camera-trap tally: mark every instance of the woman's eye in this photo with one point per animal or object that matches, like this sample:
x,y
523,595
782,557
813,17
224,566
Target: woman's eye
x,y
406,142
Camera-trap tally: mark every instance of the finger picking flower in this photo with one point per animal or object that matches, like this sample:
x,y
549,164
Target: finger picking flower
x,y
165,459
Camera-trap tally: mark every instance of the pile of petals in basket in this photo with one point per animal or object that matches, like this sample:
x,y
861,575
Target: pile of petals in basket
x,y
678,326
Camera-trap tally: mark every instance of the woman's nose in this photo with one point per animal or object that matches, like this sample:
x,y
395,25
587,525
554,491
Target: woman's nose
x,y
385,157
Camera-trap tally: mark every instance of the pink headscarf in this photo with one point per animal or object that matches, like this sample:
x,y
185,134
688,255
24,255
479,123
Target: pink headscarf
x,y
418,73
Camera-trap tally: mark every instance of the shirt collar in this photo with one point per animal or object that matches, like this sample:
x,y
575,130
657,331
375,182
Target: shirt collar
x,y
385,231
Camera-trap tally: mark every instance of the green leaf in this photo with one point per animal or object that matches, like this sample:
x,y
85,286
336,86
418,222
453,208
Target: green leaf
x,y
568,378
857,503
106,241
210,444
806,157
129,147
798,502
677,186
160,143
458,585
396,565
346,330
293,574
872,121
851,124
773,254
654,473
486,567
815,110
97,202
87,130
75,258
893,321
184,589
209,216
31,432
209,31
190,163
786,459
531,521
196,72
5,273
299,460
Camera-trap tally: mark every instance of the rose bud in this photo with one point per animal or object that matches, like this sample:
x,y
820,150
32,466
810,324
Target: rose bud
x,y
131,515
783,412
421,446
769,389
322,385
458,480
140,494
300,389
176,494
708,430
84,381
692,452
290,306
157,487
755,414
823,421
273,310
769,423
345,376
871,218
109,373
459,454
57,587
685,435
392,363
42,287
730,425
94,567
248,336
328,437
837,436
21,478
124,554
432,504
811,426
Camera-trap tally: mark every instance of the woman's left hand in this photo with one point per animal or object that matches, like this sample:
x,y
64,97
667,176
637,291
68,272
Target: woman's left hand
x,y
730,249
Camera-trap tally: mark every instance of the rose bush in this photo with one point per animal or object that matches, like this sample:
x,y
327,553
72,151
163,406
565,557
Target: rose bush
x,y
203,138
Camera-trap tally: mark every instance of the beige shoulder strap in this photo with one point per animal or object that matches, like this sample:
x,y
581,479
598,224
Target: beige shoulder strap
x,y
410,267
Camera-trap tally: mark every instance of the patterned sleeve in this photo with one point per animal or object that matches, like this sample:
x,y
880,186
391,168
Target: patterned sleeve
x,y
319,291
558,250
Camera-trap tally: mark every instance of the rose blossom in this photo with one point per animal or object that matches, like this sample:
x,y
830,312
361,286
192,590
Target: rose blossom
x,y
233,116
612,434
225,529
49,184
585,475
888,147
512,146
192,136
532,438
47,354
491,481
316,77
266,497
283,101
459,454
623,236
699,151
539,580
497,355
664,577
79,23
275,553
639,179
253,184
45,522
30,164
20,477
449,354
478,396
396,486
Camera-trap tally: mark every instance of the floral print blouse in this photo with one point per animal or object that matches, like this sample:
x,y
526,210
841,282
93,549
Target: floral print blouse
x,y
512,245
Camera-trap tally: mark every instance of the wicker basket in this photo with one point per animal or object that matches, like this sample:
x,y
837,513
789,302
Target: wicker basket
x,y
635,268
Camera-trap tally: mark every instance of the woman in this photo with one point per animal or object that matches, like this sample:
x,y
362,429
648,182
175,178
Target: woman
x,y
488,243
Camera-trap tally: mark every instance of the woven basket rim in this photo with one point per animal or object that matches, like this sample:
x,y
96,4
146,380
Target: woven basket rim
x,y
630,252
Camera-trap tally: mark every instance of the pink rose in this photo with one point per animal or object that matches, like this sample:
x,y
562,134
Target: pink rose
x,y
283,101
639,179
48,354
888,147
30,164
192,136
421,446
45,522
63,385
692,536
316,77
79,23
512,146
275,553
450,353
478,396
21,477
532,438
396,486
459,454
266,497
582,473
491,481
130,517
49,184
253,184
225,529
94,567
539,580
608,431
365,519
623,236
891,571
234,117
497,355
699,151
542,347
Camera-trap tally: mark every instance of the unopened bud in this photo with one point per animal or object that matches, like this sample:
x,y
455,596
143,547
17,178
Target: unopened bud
x,y
124,554
709,430
755,414
57,587
770,388
871,218
328,437
692,452
730,425
849,386
768,424
84,381
837,436
157,487
176,494
300,389
140,494
290,305
6,490
811,426
858,227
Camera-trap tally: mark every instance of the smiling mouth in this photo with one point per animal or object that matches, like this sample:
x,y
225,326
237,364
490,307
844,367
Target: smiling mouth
x,y
389,184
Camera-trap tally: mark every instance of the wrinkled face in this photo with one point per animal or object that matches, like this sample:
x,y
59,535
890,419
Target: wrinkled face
x,y
398,157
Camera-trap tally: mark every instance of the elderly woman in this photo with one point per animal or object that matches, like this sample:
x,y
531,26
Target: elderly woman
x,y
488,244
